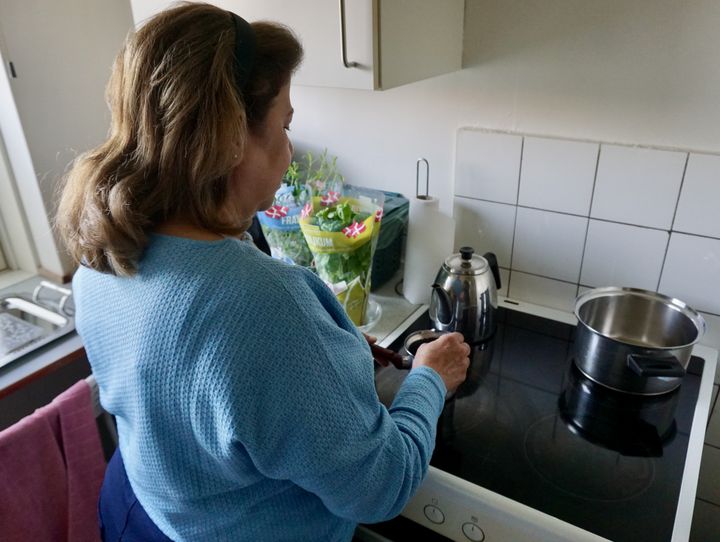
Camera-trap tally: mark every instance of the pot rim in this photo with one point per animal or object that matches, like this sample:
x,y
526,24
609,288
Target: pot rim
x,y
672,302
420,335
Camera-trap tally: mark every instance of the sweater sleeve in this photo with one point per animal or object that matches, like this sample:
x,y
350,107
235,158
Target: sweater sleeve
x,y
307,411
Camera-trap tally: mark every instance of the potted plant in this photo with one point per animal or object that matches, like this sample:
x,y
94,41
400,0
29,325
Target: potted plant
x,y
341,230
304,179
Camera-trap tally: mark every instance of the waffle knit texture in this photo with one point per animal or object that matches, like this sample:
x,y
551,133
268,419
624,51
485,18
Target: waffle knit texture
x,y
245,399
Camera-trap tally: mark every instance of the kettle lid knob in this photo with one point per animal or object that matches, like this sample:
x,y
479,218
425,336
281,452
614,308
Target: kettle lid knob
x,y
466,253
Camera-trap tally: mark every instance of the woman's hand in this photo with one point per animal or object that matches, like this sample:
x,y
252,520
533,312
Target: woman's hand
x,y
448,355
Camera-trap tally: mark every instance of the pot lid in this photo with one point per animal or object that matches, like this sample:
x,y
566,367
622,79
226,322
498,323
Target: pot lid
x,y
466,262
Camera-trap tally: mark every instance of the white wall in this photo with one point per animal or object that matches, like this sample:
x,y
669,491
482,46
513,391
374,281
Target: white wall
x,y
54,109
636,71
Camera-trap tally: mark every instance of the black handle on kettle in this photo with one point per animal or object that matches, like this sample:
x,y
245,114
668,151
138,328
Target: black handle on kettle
x,y
655,366
443,304
492,262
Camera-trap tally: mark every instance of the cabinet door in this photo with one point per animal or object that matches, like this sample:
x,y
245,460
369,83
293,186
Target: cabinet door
x,y
418,39
317,24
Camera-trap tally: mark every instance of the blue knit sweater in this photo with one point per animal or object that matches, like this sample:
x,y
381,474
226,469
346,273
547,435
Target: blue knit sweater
x,y
244,397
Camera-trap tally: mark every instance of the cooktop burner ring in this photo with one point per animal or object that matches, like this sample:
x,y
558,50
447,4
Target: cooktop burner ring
x,y
612,478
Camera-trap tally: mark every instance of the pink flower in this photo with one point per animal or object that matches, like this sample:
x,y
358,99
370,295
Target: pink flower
x,y
354,229
378,215
277,211
330,198
306,211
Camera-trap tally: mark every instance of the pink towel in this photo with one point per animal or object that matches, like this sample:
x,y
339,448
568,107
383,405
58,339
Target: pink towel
x,y
51,470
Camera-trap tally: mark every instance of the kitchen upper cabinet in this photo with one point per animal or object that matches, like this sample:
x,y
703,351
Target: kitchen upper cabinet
x,y
387,43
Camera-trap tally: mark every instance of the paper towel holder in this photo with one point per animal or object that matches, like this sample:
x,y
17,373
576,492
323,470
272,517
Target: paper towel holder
x,y
427,179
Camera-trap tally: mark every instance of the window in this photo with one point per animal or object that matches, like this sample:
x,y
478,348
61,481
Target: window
x,y
17,259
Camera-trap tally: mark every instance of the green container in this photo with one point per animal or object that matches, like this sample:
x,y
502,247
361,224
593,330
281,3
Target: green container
x,y
393,229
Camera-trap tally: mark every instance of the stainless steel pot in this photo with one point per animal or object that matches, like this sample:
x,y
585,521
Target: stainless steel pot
x,y
414,341
404,359
634,340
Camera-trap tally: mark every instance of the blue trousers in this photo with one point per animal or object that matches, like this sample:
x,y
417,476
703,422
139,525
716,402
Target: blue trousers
x,y
122,517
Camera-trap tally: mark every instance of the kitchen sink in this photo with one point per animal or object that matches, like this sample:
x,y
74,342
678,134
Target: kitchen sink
x,y
27,323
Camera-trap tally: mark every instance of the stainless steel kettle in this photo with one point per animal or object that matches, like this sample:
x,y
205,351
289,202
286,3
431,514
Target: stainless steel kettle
x,y
464,296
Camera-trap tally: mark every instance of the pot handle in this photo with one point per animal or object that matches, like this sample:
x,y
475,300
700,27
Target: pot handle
x,y
654,366
492,262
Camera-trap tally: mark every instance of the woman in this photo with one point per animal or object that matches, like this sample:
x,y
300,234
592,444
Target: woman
x,y
243,394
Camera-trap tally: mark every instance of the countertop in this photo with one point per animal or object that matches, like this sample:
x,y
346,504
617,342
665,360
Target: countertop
x,y
395,310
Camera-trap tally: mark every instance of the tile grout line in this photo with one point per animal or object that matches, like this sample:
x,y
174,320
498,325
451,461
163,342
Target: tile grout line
x,y
546,277
682,182
628,144
587,226
606,220
662,264
700,235
672,222
517,201
708,502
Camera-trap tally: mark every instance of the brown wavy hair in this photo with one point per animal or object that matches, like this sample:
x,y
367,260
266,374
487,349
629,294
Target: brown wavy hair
x,y
179,126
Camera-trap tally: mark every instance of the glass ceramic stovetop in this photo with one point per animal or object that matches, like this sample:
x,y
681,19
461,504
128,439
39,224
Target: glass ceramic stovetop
x,y
527,425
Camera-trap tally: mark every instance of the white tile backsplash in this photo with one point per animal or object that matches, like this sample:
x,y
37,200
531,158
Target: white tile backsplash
x,y
621,255
712,333
487,165
549,244
504,281
692,271
485,226
558,174
699,203
591,214
637,185
542,291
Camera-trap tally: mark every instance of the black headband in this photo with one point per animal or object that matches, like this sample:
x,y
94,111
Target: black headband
x,y
244,51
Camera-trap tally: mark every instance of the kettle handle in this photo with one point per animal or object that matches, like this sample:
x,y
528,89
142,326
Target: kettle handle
x,y
492,262
443,304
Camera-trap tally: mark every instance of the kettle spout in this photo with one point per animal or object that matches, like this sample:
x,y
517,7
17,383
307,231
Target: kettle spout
x,y
443,306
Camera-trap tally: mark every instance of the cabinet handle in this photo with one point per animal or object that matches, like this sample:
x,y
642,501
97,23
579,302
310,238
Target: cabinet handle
x,y
342,38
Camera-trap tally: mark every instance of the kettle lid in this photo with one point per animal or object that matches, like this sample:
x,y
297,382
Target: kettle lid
x,y
466,262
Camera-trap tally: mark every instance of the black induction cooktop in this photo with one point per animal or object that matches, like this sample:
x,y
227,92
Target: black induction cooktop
x,y
527,425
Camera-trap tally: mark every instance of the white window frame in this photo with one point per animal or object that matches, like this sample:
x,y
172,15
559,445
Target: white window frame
x,y
15,241
3,264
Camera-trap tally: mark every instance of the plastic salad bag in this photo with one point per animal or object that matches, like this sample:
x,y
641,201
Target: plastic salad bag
x,y
309,177
341,230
